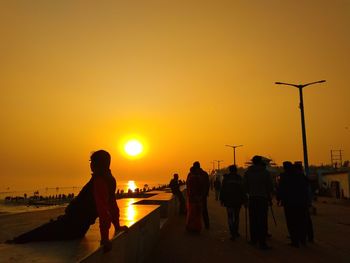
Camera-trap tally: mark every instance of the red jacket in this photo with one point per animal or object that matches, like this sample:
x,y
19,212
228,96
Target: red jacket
x,y
104,187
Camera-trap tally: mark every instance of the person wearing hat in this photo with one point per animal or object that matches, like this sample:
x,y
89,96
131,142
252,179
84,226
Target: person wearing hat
x,y
258,185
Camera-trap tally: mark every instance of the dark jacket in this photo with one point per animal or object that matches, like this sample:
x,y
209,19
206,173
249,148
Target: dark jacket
x,y
83,208
293,189
258,182
205,182
232,193
175,186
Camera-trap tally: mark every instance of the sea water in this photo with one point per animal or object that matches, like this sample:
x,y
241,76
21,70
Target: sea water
x,y
18,207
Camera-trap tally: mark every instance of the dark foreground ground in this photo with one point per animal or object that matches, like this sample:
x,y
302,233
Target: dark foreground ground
x,y
332,239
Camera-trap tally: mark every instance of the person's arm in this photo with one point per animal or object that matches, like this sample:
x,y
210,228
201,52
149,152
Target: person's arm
x,y
102,206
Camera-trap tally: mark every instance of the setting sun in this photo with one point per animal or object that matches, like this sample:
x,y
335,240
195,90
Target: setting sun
x,y
133,148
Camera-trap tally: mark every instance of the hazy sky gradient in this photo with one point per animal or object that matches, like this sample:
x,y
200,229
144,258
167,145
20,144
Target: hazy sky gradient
x,y
186,76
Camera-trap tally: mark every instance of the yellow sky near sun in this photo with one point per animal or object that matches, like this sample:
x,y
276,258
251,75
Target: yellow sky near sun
x,y
186,76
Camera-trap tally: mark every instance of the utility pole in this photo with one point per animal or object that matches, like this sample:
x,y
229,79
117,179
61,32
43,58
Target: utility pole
x,y
234,151
303,129
219,161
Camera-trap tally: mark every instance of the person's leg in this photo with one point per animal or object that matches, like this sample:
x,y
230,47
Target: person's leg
x,y
309,227
302,224
59,229
262,208
292,215
230,221
205,213
253,221
286,215
182,204
53,230
236,220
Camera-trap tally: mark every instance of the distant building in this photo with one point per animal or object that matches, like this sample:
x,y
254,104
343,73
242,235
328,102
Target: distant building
x,y
337,183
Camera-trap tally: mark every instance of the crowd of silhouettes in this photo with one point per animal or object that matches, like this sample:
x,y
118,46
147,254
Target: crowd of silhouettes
x,y
255,192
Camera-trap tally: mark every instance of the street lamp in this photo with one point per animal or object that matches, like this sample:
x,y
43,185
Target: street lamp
x,y
219,161
234,151
301,106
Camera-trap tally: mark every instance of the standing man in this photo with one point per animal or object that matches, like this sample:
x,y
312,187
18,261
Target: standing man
x,y
205,188
258,185
217,186
232,196
175,189
293,195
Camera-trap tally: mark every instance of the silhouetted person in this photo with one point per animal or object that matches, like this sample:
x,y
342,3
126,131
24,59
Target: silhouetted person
x,y
195,195
205,188
232,196
96,199
309,226
258,185
217,187
175,189
293,195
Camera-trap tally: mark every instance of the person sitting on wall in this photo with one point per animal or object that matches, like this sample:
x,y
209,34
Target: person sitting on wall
x,y
96,199
175,189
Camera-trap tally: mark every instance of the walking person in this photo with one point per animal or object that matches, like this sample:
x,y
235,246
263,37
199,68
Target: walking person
x,y
232,196
205,190
96,199
309,226
258,185
217,187
293,195
194,199
175,189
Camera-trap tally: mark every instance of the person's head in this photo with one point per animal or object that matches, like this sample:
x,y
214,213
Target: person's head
x,y
287,166
298,166
176,176
257,160
196,165
100,161
232,169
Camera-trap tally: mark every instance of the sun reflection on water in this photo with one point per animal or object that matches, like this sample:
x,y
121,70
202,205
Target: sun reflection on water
x,y
132,185
131,211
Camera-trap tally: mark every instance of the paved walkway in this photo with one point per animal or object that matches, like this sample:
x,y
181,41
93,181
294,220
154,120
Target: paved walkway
x,y
332,232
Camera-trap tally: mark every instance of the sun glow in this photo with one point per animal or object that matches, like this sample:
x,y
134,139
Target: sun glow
x,y
133,148
131,185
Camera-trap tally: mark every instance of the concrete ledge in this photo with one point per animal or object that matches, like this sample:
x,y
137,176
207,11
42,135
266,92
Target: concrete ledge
x,y
144,217
133,246
166,201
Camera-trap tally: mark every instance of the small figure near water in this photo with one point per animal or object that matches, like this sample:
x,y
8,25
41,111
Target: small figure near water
x,y
96,199
175,189
232,196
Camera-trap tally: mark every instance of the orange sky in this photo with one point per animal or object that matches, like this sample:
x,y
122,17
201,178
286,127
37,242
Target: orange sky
x,y
186,76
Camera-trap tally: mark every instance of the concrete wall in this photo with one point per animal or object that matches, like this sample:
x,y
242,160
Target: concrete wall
x,y
133,246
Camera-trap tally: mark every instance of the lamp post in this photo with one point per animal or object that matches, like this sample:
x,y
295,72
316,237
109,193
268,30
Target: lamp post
x,y
234,151
301,106
219,161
